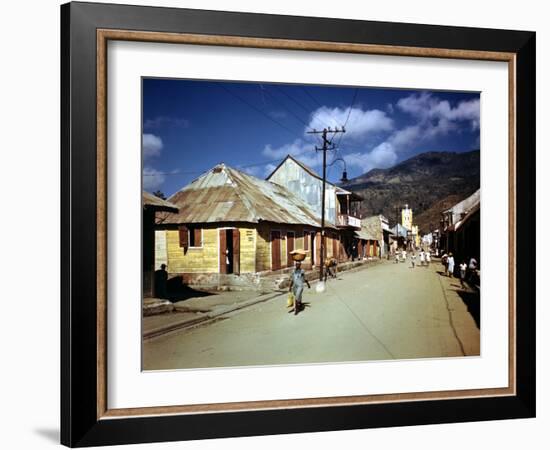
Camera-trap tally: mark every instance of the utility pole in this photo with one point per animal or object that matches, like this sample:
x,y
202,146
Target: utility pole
x,y
327,145
397,224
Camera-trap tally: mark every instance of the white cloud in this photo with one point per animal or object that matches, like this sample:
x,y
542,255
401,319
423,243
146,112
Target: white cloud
x,y
151,145
426,108
404,136
381,157
361,122
294,148
385,154
152,178
435,118
303,151
255,171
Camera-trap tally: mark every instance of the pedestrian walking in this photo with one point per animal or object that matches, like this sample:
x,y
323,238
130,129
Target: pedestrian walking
x,y
330,268
445,262
396,257
297,281
450,265
428,258
463,266
472,267
404,255
413,260
422,258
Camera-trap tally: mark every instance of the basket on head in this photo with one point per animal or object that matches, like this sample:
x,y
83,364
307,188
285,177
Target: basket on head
x,y
298,255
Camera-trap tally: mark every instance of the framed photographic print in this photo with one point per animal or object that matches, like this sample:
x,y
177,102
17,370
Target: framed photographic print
x,y
277,224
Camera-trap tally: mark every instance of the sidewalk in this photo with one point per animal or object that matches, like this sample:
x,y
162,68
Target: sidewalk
x,y
214,305
463,305
194,311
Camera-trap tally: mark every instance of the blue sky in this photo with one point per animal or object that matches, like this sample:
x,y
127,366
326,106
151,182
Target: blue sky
x,y
189,126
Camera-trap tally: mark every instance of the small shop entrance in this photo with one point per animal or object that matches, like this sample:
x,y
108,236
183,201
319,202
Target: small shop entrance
x,y
230,251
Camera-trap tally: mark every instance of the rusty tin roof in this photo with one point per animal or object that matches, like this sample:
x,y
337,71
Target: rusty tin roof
x,y
152,201
224,194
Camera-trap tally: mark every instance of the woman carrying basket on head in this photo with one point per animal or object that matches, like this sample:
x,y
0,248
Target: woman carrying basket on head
x,y
297,281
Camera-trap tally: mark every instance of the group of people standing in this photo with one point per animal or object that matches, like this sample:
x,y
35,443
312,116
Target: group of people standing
x,y
465,271
424,257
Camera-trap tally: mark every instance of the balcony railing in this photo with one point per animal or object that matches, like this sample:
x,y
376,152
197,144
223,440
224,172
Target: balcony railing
x,y
344,220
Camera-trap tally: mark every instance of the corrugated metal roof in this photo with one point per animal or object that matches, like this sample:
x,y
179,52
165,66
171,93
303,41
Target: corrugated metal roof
x,y
471,212
371,229
464,206
149,199
310,171
224,194
400,230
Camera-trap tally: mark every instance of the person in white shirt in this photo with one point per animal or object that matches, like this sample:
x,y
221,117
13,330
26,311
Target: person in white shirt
x,y
472,266
450,264
422,258
428,258
462,268
413,260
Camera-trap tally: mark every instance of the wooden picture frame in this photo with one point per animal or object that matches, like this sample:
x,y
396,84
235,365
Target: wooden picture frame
x,y
85,417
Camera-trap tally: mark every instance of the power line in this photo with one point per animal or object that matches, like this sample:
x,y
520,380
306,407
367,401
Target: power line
x,y
292,99
287,109
318,104
349,114
258,110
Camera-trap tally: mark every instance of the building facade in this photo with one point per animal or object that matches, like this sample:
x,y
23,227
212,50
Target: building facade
x,y
341,206
231,224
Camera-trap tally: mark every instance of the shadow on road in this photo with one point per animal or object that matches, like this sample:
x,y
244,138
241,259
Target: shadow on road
x,y
302,308
471,300
177,291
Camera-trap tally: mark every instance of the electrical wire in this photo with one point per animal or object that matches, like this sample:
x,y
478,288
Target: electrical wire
x,y
263,113
299,119
349,114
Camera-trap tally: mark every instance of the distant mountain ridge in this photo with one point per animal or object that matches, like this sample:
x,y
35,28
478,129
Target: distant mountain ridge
x,y
421,182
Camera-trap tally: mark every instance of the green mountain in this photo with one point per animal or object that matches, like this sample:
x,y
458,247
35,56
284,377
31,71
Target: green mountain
x,y
425,182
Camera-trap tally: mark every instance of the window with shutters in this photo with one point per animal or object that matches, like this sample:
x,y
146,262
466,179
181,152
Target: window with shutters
x,y
195,237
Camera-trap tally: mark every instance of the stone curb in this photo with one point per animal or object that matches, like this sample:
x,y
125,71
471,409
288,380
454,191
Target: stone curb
x,y
207,317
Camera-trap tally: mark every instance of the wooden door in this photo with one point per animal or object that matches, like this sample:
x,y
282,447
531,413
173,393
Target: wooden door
x,y
335,247
222,251
289,248
236,251
275,250
318,248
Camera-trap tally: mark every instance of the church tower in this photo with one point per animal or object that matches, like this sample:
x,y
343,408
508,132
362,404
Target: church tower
x,y
407,217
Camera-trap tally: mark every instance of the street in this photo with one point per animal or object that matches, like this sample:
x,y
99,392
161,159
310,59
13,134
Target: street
x,y
385,311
